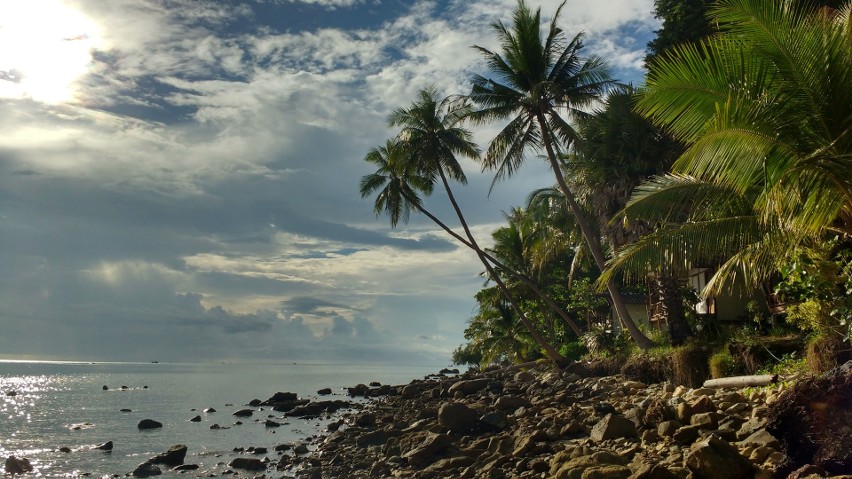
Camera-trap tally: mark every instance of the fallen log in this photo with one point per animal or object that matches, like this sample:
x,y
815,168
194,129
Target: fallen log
x,y
742,381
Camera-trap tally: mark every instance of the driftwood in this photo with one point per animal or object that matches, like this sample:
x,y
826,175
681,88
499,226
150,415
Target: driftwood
x,y
742,381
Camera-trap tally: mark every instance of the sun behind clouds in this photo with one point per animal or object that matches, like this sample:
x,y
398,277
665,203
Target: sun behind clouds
x,y
45,48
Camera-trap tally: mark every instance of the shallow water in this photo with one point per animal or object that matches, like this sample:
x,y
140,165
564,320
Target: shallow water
x,y
61,404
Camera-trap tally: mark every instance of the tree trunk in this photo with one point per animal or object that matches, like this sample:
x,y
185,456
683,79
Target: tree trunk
x,y
671,302
552,353
594,245
516,275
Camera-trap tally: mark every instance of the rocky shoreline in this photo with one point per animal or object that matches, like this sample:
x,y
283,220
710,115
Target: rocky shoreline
x,y
544,422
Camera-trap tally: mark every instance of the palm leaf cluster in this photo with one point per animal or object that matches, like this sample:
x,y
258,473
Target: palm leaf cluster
x,y
765,109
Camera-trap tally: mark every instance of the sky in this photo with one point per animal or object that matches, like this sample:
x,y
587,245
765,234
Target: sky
x,y
179,179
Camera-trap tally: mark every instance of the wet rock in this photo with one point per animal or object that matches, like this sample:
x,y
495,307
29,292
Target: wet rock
x,y
255,402
65,449
146,469
149,424
173,457
611,427
244,413
186,467
248,464
16,465
125,410
366,419
495,420
457,417
270,423
105,388
195,419
324,391
107,446
713,458
209,410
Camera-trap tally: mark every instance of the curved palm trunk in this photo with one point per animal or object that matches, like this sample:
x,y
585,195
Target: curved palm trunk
x,y
552,353
668,291
594,246
515,274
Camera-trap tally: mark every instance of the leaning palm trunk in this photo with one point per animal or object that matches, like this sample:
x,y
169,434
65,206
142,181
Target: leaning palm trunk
x,y
592,241
552,353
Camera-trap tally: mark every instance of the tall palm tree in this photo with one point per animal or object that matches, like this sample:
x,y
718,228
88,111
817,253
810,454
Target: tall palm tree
x,y
766,111
535,80
427,149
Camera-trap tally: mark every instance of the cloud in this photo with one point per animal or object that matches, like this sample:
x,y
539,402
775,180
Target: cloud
x,y
199,196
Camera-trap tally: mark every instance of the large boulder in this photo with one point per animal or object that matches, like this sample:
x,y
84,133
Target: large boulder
x,y
612,426
173,457
714,458
511,403
457,417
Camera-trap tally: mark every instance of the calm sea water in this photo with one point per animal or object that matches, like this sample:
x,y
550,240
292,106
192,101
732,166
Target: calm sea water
x,y
61,404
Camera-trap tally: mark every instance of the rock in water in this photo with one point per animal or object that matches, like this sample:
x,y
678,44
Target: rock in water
x,y
173,457
107,446
248,463
146,469
713,458
195,419
244,413
149,424
324,391
16,465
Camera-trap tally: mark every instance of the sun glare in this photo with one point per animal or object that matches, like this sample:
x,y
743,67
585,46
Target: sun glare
x,y
45,48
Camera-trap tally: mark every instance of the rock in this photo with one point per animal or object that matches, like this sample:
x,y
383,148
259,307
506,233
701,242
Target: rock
x,y
713,458
366,419
105,388
248,464
215,426
195,419
653,471
668,428
411,391
686,434
704,420
271,423
65,449
469,387
244,413
495,420
301,449
684,412
761,438
255,402
448,371
125,410
612,427
149,424
209,410
324,391
15,465
431,445
701,405
107,446
146,469
457,417
173,457
511,403
186,467
606,472
374,438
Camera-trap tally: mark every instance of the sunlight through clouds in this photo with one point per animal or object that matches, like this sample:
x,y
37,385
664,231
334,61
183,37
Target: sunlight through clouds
x,y
45,48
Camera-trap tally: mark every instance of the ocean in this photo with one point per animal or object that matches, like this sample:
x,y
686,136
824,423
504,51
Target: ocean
x,y
64,405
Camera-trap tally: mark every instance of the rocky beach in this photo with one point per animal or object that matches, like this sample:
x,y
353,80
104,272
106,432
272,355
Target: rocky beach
x,y
543,422
539,421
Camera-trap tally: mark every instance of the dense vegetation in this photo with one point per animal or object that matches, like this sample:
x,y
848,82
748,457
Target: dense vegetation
x,y
735,156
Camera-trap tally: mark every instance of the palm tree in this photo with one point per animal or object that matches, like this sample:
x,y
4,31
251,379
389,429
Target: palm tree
x,y
427,146
536,79
766,111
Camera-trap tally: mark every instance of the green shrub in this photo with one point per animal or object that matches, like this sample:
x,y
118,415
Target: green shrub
x,y
573,350
722,364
